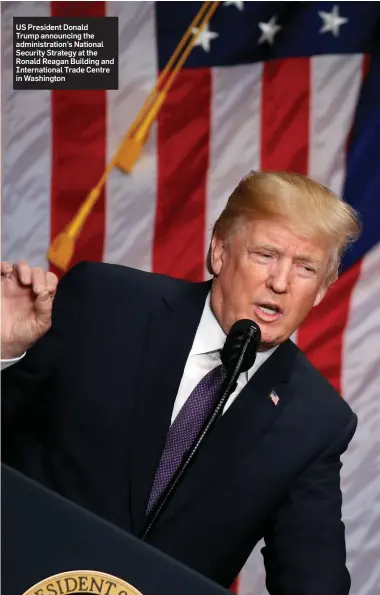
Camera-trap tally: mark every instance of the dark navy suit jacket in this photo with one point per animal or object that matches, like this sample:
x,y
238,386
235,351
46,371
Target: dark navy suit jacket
x,y
86,412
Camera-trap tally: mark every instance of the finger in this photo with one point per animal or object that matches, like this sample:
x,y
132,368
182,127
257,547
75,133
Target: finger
x,y
51,281
6,268
44,304
23,272
38,280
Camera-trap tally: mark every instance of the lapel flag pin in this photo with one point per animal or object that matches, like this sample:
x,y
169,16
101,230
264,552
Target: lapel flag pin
x,y
274,397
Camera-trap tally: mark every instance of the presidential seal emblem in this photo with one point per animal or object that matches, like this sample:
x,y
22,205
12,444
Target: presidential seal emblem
x,y
82,581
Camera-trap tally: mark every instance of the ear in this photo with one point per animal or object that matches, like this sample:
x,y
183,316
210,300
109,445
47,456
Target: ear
x,y
217,252
320,295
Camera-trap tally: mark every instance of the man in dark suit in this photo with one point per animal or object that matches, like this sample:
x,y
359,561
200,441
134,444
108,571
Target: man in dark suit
x,y
106,385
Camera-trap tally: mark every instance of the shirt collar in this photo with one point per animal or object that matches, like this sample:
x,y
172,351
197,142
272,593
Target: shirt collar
x,y
210,338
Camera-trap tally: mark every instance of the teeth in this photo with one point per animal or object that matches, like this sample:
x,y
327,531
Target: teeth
x,y
268,309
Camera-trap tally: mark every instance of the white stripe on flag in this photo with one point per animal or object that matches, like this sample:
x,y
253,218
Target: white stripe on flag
x,y
335,86
131,199
361,468
235,134
252,576
26,154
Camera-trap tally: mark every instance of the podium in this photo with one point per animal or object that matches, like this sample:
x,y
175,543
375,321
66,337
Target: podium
x,y
44,535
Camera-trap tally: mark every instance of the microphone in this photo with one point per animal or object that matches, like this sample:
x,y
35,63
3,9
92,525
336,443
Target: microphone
x,y
238,355
242,342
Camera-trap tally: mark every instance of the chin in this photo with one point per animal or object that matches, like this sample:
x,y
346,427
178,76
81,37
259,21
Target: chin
x,y
269,340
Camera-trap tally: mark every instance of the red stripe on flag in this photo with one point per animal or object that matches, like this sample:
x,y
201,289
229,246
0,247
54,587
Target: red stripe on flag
x,y
321,335
78,151
366,64
285,115
183,159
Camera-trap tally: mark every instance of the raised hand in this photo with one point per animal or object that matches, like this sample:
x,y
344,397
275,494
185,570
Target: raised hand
x,y
26,306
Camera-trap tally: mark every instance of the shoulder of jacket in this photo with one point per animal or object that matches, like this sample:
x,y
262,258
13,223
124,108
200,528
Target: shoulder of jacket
x,y
116,279
309,381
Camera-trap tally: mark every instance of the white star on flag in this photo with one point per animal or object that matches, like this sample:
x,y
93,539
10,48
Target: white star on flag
x,y
332,21
204,37
269,30
238,3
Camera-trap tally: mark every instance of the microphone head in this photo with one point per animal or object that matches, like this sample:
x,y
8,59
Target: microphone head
x,y
240,332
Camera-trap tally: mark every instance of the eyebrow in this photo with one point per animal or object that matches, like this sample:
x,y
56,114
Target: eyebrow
x,y
269,248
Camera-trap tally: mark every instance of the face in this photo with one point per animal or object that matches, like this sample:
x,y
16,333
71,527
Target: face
x,y
266,273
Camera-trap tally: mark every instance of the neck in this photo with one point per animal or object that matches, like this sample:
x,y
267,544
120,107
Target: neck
x,y
216,304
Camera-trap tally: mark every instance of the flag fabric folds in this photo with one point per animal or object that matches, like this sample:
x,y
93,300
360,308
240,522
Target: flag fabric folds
x,y
269,85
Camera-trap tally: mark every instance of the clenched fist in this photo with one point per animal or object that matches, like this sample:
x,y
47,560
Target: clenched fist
x,y
26,306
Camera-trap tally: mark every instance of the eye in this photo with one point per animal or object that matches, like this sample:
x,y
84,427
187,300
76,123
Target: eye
x,y
261,256
308,269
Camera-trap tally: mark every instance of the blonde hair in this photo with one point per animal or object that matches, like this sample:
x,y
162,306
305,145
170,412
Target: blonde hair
x,y
310,208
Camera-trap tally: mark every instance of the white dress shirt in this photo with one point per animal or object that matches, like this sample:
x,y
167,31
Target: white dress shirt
x,y
203,357
5,363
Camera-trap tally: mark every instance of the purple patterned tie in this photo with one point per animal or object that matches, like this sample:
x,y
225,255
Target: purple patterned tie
x,y
185,428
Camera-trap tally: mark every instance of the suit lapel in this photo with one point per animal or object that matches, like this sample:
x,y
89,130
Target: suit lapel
x,y
254,402
241,427
171,331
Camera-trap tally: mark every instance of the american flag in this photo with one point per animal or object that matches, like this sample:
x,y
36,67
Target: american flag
x,y
269,85
274,397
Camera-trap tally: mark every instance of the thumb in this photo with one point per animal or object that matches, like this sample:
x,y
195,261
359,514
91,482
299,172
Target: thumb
x,y
44,304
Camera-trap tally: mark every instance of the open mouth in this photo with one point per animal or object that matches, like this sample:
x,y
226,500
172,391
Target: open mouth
x,y
268,312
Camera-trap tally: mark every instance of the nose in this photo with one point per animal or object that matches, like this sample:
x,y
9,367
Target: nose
x,y
279,277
